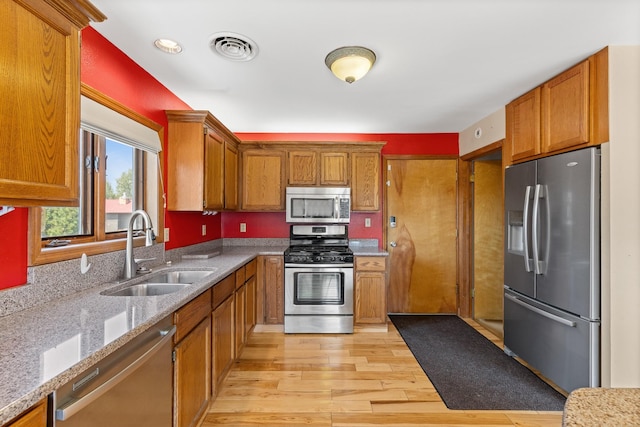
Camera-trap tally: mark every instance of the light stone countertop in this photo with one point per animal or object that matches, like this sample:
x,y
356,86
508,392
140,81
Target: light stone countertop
x,y
602,407
46,346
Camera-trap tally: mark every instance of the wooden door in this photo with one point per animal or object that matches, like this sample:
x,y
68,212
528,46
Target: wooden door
x,y
421,195
488,252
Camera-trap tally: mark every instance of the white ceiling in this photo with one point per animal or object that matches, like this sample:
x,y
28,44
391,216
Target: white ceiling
x,y
441,66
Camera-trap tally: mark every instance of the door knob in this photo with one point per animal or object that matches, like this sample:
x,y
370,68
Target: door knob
x,y
393,244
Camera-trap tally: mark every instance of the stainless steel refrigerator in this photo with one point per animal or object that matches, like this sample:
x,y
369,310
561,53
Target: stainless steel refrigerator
x,y
552,266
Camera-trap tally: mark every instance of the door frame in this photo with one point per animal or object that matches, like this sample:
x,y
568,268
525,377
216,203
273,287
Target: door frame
x,y
465,222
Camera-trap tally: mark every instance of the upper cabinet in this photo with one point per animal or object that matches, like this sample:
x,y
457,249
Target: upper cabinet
x,y
365,181
523,125
202,163
263,172
40,103
567,112
317,168
269,167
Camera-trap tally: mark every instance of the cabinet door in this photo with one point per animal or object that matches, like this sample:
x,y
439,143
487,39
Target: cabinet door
x,y
370,298
185,165
192,371
274,290
365,181
39,106
36,417
250,307
523,125
565,107
263,180
240,321
303,168
370,290
214,171
222,332
334,169
230,176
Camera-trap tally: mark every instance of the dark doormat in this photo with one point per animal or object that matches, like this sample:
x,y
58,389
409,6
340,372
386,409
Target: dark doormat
x,y
469,371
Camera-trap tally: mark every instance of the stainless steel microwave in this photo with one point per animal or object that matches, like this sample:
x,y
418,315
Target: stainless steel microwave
x,y
318,204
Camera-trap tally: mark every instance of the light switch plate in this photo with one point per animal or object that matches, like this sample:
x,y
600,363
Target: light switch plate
x,y
166,234
243,227
204,229
367,222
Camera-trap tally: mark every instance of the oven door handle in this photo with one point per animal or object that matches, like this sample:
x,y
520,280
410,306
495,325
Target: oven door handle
x,y
314,266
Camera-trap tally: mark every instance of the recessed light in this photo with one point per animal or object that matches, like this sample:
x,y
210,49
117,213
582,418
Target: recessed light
x,y
168,46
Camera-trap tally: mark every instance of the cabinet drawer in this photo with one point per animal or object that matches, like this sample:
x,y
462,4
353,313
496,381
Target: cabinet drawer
x,y
223,289
371,263
250,269
187,317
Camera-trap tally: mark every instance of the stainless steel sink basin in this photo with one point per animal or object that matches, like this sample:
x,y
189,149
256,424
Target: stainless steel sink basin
x,y
160,283
178,276
147,289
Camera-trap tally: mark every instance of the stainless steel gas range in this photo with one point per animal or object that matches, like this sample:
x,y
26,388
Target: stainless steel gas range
x,y
318,284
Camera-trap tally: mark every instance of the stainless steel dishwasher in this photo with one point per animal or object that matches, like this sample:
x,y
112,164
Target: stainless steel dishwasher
x,y
130,388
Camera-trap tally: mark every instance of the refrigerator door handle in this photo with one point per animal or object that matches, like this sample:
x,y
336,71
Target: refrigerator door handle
x,y
540,266
525,228
543,313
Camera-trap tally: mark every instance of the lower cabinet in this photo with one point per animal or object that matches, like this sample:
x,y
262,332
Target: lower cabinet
x,y
223,330
272,277
192,369
370,290
34,417
192,361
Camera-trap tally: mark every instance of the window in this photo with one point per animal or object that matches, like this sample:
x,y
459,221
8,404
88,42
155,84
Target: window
x,y
119,173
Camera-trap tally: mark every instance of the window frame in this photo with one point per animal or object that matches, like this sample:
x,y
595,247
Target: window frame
x,y
100,243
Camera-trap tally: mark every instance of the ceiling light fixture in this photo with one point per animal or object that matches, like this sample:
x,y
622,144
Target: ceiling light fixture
x,y
350,63
168,46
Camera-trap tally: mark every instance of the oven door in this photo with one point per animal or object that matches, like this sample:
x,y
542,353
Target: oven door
x,y
318,289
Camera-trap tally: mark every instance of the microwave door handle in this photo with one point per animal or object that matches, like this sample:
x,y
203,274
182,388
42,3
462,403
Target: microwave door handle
x,y
336,208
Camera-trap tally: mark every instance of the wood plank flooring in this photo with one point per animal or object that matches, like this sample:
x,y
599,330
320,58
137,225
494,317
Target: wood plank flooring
x,y
369,378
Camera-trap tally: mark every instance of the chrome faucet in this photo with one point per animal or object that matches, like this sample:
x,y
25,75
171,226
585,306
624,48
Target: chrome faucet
x,y
130,265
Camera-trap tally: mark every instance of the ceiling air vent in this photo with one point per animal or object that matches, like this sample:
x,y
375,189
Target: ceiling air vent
x,y
234,47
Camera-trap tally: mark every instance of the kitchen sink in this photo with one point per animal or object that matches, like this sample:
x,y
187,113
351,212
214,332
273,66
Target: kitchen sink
x,y
147,289
160,284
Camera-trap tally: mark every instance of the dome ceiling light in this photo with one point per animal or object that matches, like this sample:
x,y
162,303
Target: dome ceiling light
x,y
350,63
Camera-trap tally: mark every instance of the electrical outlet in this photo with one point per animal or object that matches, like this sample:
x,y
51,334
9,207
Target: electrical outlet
x,y
204,229
367,222
243,227
166,234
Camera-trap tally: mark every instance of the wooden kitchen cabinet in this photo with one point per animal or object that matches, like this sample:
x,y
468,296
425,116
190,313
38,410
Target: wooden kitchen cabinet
x,y
334,169
231,176
565,109
192,360
201,162
222,328
317,168
245,309
40,103
370,289
365,181
302,168
34,417
523,125
569,111
263,180
240,315
270,291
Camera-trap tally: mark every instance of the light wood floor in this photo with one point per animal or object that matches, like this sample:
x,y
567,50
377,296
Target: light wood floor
x,y
369,378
